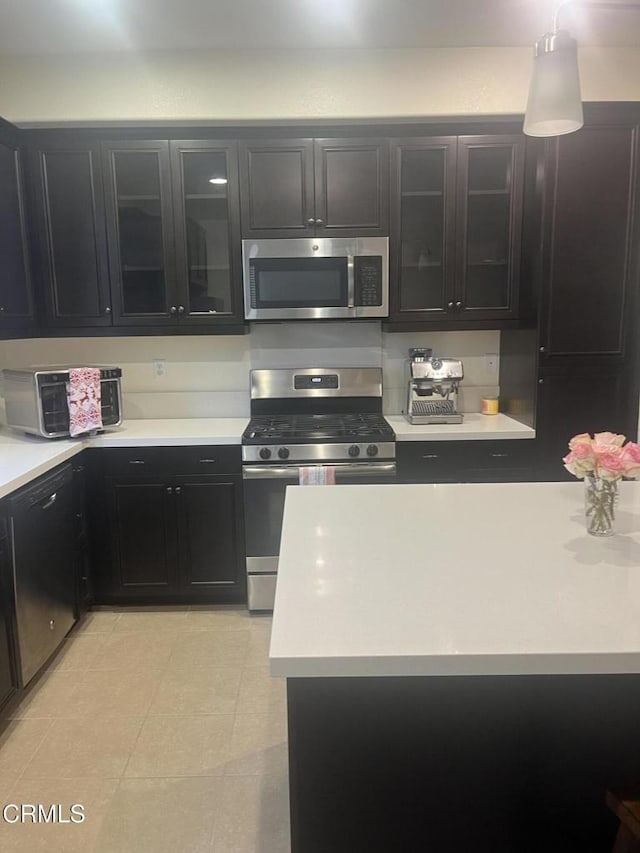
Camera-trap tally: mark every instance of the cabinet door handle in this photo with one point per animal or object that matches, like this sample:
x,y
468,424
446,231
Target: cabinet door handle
x,y
173,310
458,304
542,349
180,309
50,501
311,221
499,455
319,222
178,490
450,305
540,381
169,490
136,462
107,310
431,456
206,461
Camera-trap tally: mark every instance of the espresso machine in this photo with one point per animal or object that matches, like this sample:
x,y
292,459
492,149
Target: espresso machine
x,y
432,388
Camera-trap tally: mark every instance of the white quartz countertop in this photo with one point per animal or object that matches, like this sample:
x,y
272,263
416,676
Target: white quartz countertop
x,y
23,457
463,579
473,427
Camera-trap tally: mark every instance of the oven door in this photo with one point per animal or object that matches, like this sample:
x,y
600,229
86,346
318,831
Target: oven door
x,y
264,493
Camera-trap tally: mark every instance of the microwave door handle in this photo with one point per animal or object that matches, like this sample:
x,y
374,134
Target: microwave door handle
x,y
351,282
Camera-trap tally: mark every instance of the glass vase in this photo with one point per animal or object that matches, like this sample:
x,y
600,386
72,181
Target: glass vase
x,y
599,505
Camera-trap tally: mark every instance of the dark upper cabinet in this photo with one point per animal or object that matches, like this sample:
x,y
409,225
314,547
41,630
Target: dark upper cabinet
x,y
306,187
140,232
456,229
173,236
71,238
590,250
16,298
206,214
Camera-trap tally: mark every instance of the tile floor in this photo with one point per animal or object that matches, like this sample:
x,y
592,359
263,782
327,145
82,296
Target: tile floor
x,y
165,725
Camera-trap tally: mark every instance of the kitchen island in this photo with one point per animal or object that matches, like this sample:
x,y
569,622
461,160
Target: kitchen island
x,y
462,667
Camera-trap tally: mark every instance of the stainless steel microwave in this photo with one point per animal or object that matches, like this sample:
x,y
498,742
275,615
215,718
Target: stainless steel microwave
x,y
316,278
36,399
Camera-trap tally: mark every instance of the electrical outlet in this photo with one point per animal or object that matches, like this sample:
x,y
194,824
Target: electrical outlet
x,y
492,362
159,368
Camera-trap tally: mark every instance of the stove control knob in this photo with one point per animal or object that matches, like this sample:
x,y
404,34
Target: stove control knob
x,y
354,450
372,450
283,453
265,453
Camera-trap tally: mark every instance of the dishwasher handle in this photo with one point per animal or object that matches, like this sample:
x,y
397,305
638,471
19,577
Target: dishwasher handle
x,y
49,501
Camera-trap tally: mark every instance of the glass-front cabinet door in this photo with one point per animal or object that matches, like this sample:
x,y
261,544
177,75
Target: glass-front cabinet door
x,y
489,223
423,190
140,232
207,240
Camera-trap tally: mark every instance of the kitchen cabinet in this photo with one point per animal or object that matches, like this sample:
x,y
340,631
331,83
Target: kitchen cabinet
x,y
8,674
314,187
173,241
174,525
587,370
572,402
456,229
591,245
16,297
508,461
71,236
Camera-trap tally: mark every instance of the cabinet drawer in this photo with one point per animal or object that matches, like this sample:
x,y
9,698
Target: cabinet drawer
x,y
464,461
199,459
429,462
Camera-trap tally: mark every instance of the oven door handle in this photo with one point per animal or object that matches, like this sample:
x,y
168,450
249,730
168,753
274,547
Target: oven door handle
x,y
361,469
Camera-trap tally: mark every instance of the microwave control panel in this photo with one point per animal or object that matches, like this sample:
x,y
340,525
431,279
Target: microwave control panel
x,y
367,274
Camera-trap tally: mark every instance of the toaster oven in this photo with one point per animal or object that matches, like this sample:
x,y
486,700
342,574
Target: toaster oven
x,y
36,399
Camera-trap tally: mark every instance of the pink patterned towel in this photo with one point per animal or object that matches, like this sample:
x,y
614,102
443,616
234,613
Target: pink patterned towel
x,y
317,475
83,397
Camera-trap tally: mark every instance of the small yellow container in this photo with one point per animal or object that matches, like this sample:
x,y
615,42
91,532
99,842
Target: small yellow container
x,y
489,406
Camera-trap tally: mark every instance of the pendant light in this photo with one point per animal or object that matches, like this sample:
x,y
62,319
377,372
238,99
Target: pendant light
x,y
554,106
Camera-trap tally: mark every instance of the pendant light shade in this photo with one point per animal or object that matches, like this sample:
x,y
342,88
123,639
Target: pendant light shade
x,y
555,105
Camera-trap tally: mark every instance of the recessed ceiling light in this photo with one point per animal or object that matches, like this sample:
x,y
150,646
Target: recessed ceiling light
x,y
217,180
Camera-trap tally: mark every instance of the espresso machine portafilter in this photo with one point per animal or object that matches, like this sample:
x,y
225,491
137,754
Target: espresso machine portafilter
x,y
432,388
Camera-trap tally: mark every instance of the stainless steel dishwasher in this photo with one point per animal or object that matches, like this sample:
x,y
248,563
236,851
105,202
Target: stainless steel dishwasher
x,y
42,528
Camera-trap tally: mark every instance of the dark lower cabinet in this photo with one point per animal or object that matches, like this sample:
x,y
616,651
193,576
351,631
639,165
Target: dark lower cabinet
x,y
168,533
571,403
8,677
506,461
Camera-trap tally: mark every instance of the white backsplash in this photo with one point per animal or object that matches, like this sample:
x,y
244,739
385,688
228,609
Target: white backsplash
x,y
208,376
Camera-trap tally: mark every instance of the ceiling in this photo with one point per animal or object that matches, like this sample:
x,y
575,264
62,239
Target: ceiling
x,y
69,26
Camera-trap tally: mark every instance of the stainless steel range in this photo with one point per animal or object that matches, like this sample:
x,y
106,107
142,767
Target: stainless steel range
x,y
321,425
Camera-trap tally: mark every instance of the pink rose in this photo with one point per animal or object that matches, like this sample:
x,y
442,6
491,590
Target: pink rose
x,y
631,459
610,466
583,438
609,438
579,462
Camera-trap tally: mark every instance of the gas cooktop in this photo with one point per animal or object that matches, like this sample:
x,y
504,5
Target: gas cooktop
x,y
304,429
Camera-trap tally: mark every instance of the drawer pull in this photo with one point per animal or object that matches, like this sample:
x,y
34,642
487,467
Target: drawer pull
x,y
207,461
136,462
499,455
431,456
